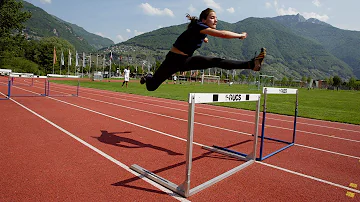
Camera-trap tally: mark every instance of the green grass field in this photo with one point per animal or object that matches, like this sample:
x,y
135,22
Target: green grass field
x,y
339,106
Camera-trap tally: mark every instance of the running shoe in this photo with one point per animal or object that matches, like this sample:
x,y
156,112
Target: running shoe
x,y
259,60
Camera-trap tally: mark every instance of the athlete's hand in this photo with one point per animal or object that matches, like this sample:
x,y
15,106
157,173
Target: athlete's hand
x,y
244,35
206,40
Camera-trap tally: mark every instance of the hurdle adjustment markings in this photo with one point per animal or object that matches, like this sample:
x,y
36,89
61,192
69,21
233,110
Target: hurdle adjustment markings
x,y
349,193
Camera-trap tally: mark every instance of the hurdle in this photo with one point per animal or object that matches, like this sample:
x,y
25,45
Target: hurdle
x,y
31,85
29,76
266,91
184,189
8,90
47,91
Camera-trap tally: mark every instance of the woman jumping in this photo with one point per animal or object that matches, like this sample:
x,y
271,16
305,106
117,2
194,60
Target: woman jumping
x,y
180,57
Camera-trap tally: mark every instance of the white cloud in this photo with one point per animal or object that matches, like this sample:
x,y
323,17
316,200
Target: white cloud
x,y
294,11
288,11
316,3
315,15
149,10
191,9
120,38
160,26
213,5
268,5
138,33
45,1
231,10
100,34
128,30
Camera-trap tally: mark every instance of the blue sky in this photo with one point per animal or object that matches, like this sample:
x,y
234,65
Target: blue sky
x,y
120,20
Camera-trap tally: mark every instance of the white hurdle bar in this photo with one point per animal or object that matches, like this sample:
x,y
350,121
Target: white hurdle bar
x,y
194,98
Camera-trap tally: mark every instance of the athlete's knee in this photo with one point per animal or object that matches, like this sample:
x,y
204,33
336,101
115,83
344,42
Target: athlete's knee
x,y
151,88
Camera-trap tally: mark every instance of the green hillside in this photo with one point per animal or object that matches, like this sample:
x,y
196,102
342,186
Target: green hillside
x,y
343,44
289,54
94,40
41,24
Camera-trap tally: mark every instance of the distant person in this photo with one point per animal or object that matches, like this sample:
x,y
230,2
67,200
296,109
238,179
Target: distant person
x,y
175,78
180,57
126,76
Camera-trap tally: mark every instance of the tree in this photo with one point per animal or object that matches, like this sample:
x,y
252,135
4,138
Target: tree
x,y
304,80
351,83
291,80
250,78
11,17
337,82
11,41
284,81
242,78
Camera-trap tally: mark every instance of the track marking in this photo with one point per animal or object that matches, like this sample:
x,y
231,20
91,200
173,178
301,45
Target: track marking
x,y
171,193
231,112
336,153
171,117
299,122
331,152
309,177
125,167
353,185
278,127
350,194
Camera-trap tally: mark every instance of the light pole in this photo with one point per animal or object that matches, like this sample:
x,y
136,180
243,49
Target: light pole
x,y
97,61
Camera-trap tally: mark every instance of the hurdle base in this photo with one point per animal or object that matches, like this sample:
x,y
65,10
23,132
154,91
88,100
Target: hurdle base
x,y
226,152
156,178
275,152
179,189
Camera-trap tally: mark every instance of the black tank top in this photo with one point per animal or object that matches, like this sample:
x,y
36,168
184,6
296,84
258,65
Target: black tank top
x,y
191,39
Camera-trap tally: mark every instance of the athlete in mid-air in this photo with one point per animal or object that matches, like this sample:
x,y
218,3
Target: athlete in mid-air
x,y
180,57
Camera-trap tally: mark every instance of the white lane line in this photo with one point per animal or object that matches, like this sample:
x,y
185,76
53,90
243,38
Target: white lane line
x,y
174,195
166,116
336,153
226,118
309,177
283,169
331,152
231,112
278,127
184,139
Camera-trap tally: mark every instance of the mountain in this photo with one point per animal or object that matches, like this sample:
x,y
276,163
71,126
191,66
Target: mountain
x,y
289,53
41,24
343,44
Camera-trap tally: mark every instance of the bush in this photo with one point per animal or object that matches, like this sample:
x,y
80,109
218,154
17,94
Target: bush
x,y
21,65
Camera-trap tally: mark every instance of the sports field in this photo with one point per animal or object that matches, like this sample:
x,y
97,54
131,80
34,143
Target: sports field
x,y
80,148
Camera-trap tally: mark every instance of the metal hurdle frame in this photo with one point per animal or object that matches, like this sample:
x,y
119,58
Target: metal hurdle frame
x,y
266,91
184,188
21,75
25,76
47,90
9,91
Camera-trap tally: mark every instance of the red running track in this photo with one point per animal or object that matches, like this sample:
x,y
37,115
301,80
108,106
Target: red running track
x,y
42,162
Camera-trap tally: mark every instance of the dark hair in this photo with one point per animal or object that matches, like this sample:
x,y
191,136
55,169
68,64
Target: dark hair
x,y
203,15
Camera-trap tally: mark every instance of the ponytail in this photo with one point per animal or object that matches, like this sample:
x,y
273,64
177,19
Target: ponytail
x,y
193,20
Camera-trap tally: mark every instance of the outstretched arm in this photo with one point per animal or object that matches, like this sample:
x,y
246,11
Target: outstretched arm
x,y
223,33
